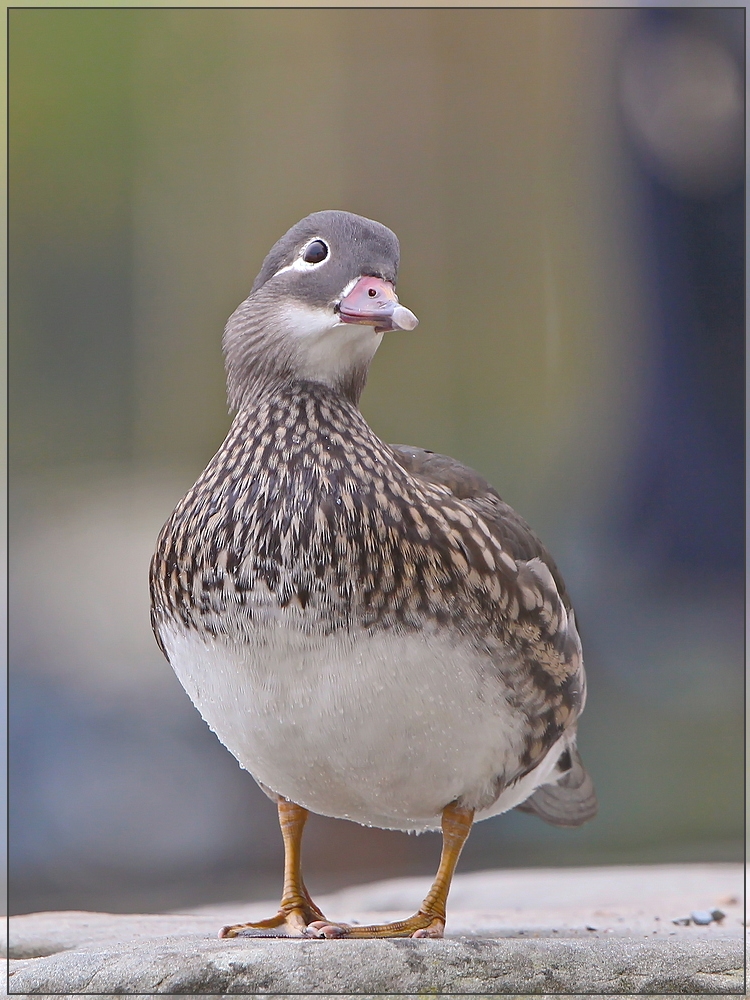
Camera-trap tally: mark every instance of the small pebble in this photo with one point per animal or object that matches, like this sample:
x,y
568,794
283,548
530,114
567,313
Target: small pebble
x,y
718,915
682,921
591,928
701,917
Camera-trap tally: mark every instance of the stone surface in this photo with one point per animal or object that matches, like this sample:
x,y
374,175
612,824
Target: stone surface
x,y
596,931
366,996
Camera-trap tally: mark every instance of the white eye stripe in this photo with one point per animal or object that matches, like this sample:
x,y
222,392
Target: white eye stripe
x,y
300,264
348,287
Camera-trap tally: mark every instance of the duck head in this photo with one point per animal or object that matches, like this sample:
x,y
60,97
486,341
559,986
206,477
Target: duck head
x,y
317,311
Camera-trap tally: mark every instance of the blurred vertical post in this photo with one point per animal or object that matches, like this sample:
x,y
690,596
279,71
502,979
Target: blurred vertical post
x,y
240,134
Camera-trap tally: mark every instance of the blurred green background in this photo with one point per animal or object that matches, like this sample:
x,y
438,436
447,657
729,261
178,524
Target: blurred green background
x,y
567,186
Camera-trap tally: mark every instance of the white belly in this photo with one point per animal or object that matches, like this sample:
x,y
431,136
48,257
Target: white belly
x,y
382,730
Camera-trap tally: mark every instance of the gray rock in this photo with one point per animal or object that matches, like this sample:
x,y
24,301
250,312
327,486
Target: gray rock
x,y
346,996
519,946
189,964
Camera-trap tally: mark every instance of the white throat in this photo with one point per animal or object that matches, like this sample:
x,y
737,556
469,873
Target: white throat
x,y
325,349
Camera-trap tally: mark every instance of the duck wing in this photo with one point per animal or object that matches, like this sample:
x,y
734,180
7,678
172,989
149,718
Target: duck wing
x,y
516,536
570,800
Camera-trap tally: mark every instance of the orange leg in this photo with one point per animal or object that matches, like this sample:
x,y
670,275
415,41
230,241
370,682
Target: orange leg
x,y
429,921
297,909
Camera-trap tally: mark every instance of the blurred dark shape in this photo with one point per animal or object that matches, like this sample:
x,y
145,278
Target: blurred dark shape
x,y
682,93
683,97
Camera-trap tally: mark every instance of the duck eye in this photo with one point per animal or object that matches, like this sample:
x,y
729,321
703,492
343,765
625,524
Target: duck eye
x,y
315,252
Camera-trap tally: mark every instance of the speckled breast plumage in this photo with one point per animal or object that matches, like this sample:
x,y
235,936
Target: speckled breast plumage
x,y
306,531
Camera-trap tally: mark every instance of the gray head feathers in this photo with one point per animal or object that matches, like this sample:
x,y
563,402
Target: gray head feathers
x,y
290,327
357,244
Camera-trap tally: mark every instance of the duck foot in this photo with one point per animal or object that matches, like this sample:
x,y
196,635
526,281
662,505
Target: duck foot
x,y
290,921
421,925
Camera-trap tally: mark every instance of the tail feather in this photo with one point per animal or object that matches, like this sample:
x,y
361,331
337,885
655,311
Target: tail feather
x,y
570,802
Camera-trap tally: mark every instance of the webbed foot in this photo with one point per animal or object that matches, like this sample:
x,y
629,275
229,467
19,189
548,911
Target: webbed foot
x,y
290,921
421,925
